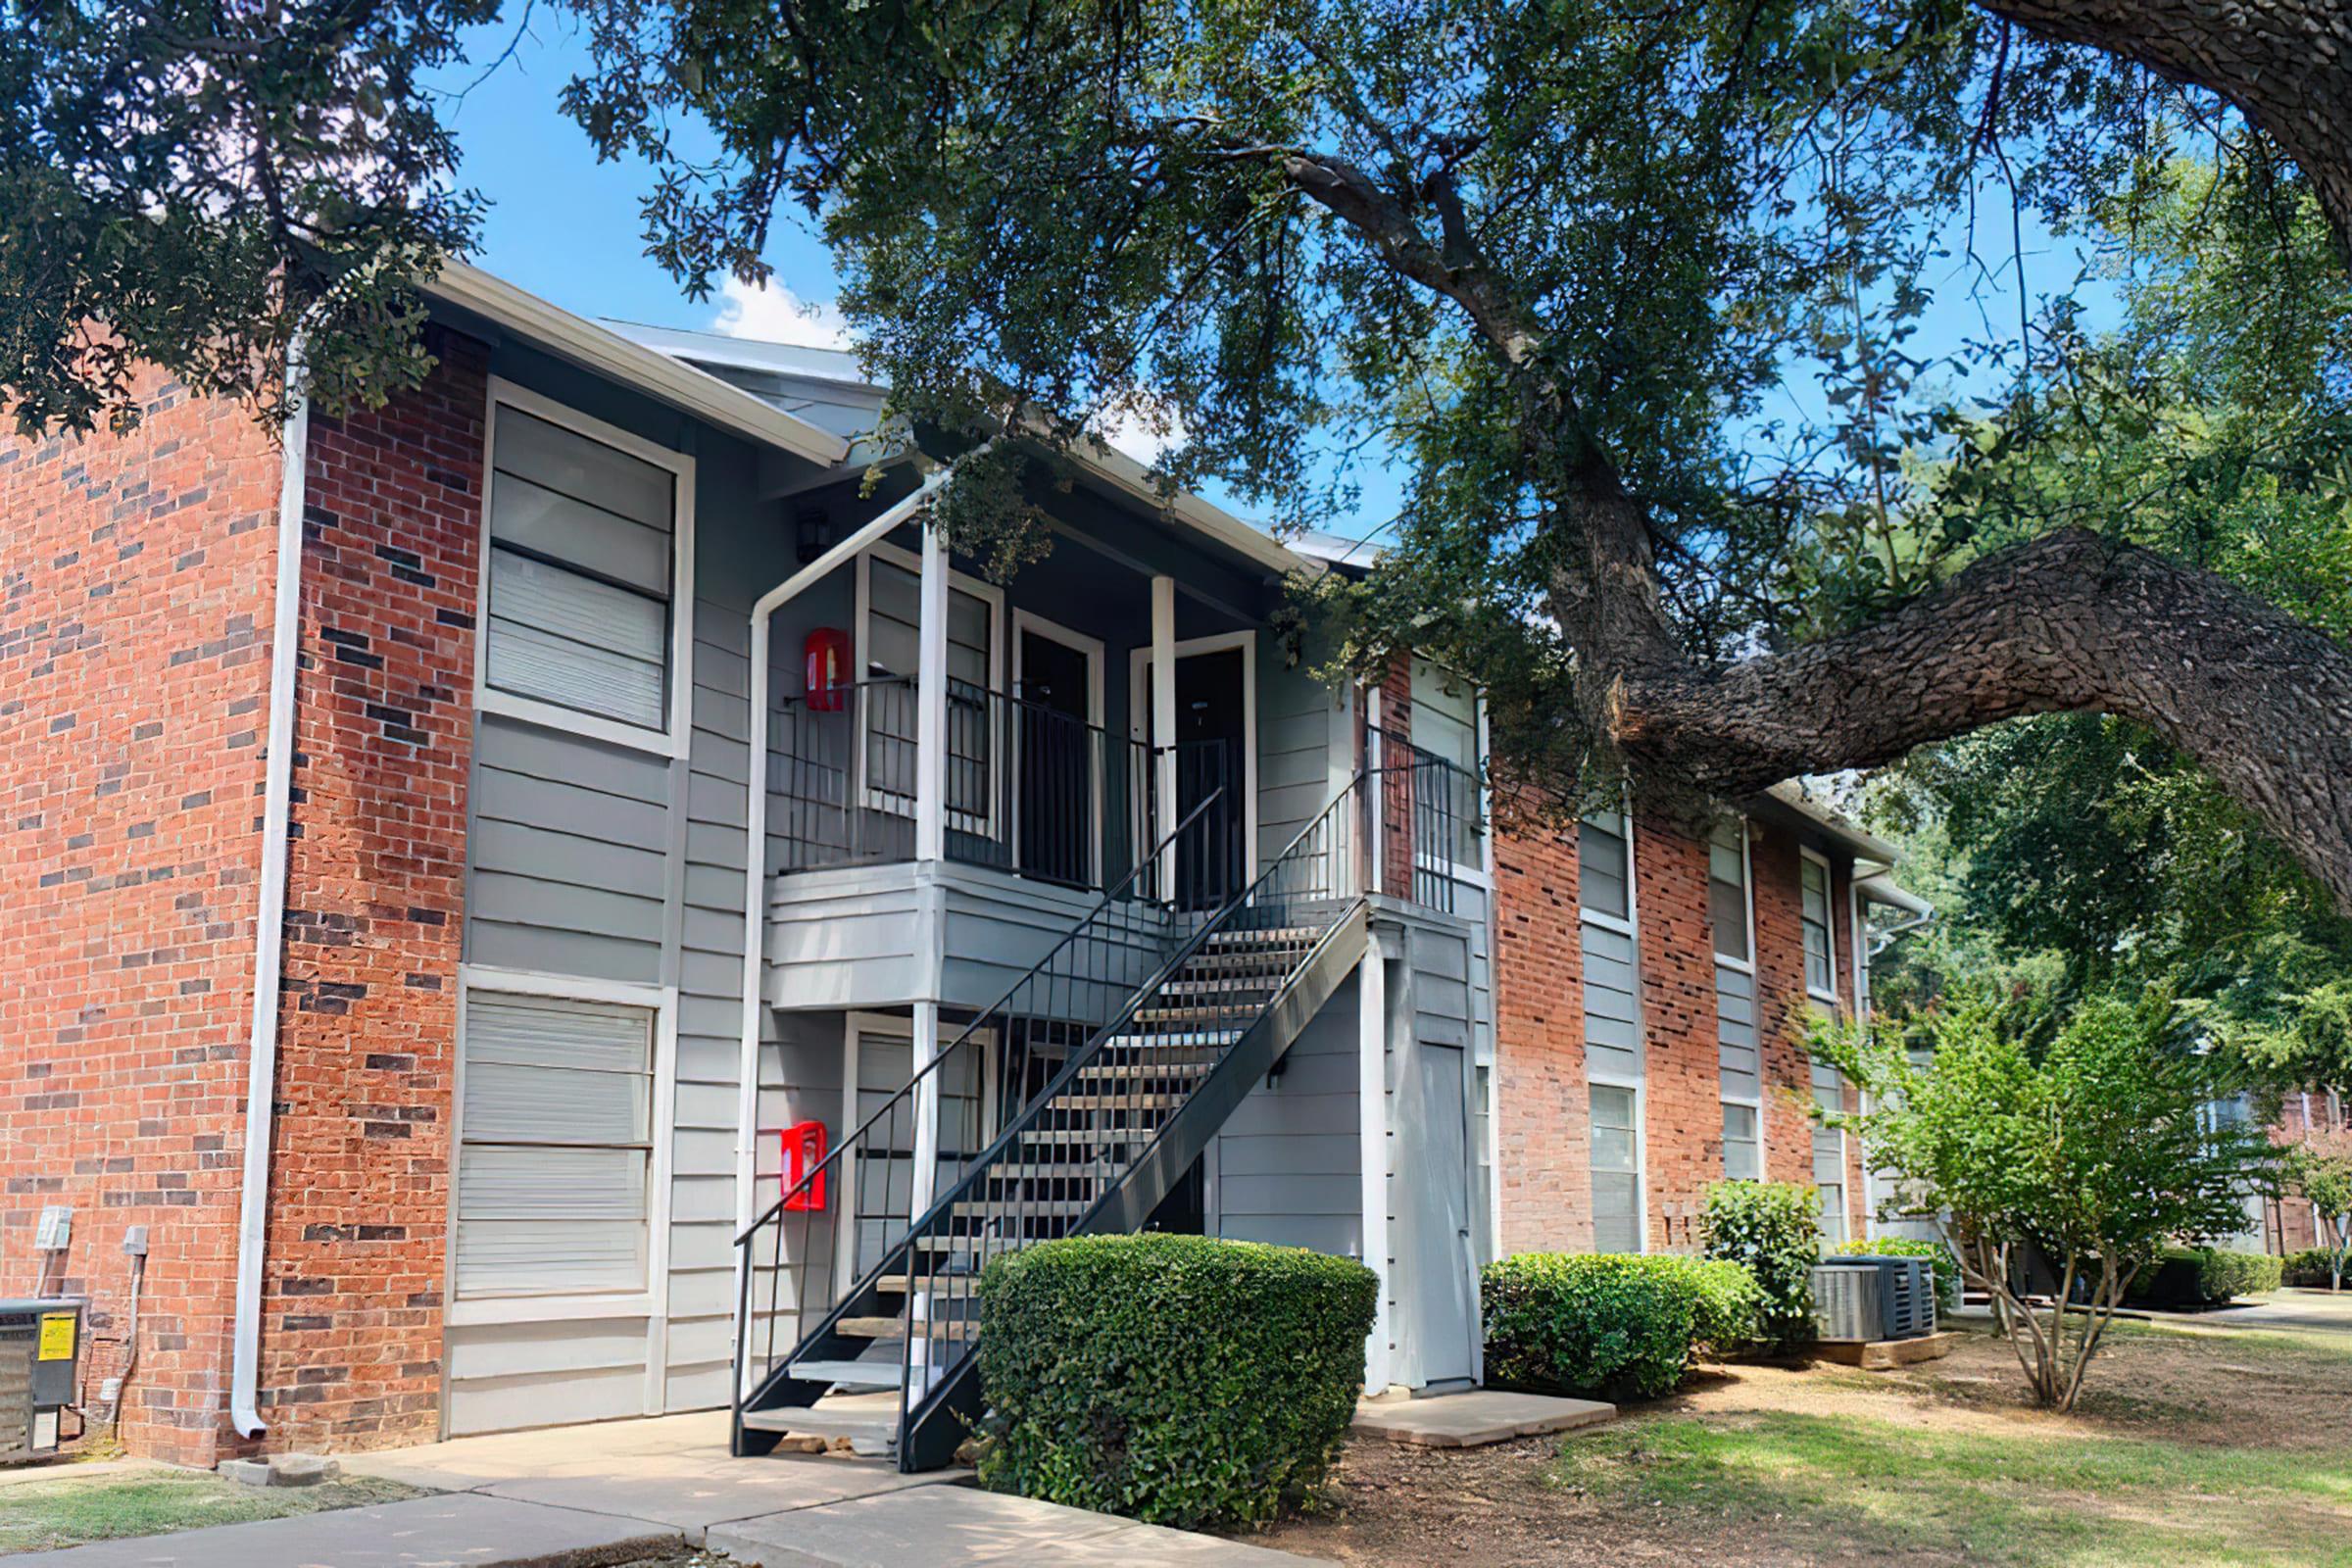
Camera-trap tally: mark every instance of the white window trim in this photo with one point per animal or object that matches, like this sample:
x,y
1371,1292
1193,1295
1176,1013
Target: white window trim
x,y
1640,1092
1139,716
980,826
1829,923
653,1301
1028,620
677,740
1468,873
1628,924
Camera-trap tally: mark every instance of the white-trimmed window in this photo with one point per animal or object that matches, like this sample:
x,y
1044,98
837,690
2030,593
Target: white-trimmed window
x,y
1821,943
585,564
1743,1143
1444,720
1605,865
557,1172
1731,912
1829,1152
890,598
1616,1169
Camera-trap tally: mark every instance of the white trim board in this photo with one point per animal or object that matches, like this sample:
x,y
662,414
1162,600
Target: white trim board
x,y
676,740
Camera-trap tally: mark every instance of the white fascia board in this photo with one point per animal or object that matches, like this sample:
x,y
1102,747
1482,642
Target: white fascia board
x,y
607,353
1836,823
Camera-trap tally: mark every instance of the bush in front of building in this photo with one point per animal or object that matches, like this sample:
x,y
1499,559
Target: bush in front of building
x,y
1608,1325
2313,1267
1177,1380
1773,1230
2202,1276
1947,1266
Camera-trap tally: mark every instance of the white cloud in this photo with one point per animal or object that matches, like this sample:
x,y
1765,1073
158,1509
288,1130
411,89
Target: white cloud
x,y
1141,425
771,313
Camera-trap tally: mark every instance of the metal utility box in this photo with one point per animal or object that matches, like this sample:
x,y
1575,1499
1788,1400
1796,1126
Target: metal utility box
x,y
40,1365
1865,1298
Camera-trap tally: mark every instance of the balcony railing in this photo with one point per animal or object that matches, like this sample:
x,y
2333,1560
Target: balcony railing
x,y
1431,828
1029,789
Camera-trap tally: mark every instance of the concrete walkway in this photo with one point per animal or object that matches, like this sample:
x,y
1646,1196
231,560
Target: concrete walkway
x,y
1476,1417
609,1493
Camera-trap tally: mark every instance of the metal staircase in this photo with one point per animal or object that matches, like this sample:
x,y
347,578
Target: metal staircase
x,y
1126,1047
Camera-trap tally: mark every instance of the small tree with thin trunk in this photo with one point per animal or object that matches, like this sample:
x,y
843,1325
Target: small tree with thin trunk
x,y
2318,1170
2096,1149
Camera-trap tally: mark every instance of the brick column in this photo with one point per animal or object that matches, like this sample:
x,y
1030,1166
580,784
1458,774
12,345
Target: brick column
x,y
1683,1074
1542,1149
351,1341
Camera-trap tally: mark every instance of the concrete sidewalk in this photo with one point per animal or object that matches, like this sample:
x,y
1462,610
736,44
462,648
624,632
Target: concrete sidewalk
x,y
609,1493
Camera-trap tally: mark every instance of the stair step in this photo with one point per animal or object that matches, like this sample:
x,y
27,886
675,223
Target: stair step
x,y
859,1427
1116,1102
1023,1208
973,1246
853,1374
1199,1039
1013,1170
871,1328
1241,964
1148,1071
1239,990
1299,936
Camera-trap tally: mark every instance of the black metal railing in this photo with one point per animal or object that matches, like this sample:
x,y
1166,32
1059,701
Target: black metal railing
x,y
826,1236
1080,1139
1028,787
1430,825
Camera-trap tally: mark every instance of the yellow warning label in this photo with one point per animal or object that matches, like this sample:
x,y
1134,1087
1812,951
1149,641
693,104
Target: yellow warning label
x,y
57,1337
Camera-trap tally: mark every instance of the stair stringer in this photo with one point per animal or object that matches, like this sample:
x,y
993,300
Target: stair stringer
x,y
938,1425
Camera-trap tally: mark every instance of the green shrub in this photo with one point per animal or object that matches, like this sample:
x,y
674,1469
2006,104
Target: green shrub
x,y
2225,1275
2312,1266
1772,1229
1947,1267
1173,1379
1610,1326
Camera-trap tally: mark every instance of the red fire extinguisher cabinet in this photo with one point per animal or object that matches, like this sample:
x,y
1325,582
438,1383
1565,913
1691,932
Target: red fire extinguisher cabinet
x,y
803,1151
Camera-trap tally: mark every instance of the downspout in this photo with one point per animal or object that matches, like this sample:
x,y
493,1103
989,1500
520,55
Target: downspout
x,y
269,922
755,833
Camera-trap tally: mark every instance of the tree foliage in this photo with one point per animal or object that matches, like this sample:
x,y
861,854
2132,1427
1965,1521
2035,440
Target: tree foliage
x,y
2318,1170
2094,1148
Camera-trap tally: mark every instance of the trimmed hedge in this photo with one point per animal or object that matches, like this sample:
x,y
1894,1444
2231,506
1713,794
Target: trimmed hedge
x,y
1947,1267
2198,1276
2312,1266
1610,1326
1773,1230
1173,1379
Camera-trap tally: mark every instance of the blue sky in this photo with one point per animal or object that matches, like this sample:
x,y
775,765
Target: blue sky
x,y
567,228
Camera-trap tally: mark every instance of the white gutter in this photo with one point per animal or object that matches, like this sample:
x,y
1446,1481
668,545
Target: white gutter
x,y
755,833
269,920
1880,888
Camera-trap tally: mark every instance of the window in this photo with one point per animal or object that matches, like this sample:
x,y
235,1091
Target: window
x,y
1829,1152
555,1159
1616,1171
1604,867
1742,1150
1727,892
1445,720
588,530
890,594
1820,965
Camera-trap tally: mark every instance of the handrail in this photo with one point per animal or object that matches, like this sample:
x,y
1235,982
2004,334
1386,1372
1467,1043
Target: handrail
x,y
849,1138
1025,1119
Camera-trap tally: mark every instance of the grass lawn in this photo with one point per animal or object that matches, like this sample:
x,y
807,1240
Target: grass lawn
x,y
42,1515
2194,1449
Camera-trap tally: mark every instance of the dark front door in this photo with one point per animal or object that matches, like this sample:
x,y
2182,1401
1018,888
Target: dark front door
x,y
1056,786
1211,730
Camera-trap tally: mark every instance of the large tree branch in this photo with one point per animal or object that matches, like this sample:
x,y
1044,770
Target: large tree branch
x,y
2286,64
2070,621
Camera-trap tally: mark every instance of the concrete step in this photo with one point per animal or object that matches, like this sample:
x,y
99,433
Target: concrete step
x,y
1109,1136
1174,1039
1117,1102
1286,936
1021,1170
868,1432
1240,989
1208,1017
871,1328
855,1374
1022,1208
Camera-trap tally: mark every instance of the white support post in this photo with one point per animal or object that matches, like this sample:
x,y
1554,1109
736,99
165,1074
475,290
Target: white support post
x,y
925,1183
1163,722
931,701
1372,1123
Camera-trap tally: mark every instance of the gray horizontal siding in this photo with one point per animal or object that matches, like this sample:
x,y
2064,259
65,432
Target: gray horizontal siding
x,y
1290,1160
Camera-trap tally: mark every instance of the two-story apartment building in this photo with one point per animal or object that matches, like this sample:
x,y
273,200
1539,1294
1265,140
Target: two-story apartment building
x,y
558,900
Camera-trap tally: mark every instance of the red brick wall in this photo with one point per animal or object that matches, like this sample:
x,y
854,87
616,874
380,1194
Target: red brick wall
x,y
351,1348
135,574
1543,1138
1681,1072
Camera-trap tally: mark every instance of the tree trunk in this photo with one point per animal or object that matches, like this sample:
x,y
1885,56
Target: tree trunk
x,y
2070,621
2286,64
